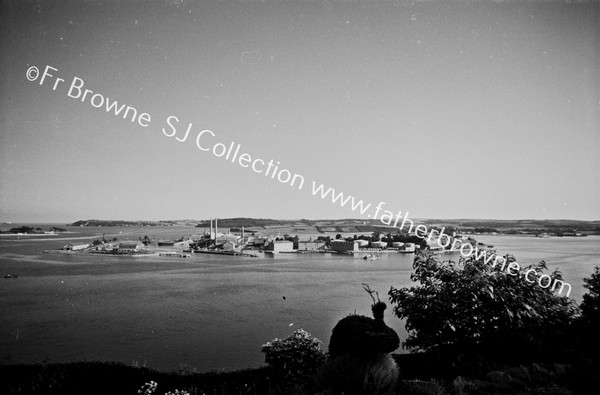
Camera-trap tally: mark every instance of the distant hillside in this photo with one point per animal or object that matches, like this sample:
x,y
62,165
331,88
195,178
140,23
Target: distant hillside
x,y
506,226
350,225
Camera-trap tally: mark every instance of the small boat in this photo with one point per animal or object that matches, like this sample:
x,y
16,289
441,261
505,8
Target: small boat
x,y
370,257
11,275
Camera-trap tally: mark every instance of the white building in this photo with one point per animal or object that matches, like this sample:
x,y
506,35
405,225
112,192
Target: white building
x,y
183,244
408,247
280,246
362,243
75,247
378,244
228,246
224,237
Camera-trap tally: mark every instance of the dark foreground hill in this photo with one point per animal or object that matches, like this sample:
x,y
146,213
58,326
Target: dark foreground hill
x,y
420,374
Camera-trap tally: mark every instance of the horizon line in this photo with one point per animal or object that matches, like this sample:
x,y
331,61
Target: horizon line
x,y
300,219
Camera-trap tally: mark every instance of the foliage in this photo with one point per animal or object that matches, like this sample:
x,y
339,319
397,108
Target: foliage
x,y
186,368
326,239
177,392
590,307
148,388
295,358
589,322
472,306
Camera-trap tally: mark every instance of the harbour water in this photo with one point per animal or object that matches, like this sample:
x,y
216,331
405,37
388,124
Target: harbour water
x,y
210,312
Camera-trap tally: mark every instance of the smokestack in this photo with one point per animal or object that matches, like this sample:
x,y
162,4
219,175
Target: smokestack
x,y
211,229
216,230
242,234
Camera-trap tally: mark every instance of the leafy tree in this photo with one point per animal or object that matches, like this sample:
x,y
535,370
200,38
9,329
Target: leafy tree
x,y
471,309
338,236
590,313
590,307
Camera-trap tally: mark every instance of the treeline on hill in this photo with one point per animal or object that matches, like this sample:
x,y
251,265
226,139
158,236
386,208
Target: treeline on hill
x,y
26,229
528,224
101,222
250,222
31,230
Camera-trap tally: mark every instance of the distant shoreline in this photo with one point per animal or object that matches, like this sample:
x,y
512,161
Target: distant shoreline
x,y
525,227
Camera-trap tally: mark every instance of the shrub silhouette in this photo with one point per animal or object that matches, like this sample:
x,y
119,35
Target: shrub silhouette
x,y
360,335
359,349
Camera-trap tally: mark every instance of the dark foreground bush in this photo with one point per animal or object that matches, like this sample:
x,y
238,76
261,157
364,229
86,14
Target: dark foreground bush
x,y
295,361
589,322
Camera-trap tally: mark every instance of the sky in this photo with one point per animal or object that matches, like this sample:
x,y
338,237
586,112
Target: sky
x,y
474,109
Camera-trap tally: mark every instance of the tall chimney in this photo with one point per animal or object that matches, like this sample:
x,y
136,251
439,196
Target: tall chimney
x,y
211,229
242,234
216,230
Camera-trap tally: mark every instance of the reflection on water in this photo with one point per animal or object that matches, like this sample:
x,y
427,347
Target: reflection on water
x,y
212,312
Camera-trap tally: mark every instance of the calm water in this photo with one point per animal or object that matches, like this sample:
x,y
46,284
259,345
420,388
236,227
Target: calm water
x,y
207,311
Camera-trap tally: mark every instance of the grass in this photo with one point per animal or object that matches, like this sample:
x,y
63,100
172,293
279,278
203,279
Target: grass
x,y
105,378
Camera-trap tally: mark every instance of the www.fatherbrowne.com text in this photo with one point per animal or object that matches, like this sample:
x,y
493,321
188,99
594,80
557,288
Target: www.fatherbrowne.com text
x,y
207,142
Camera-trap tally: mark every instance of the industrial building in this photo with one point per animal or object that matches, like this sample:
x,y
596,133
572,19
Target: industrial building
x,y
311,245
129,246
344,246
